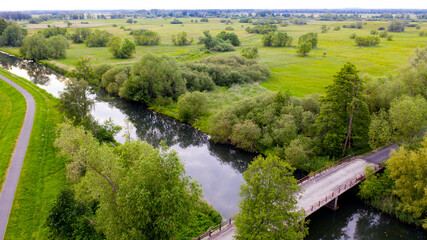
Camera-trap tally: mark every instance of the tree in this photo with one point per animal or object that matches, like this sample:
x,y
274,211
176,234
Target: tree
x,y
74,102
152,77
181,39
408,169
35,47
268,202
191,105
380,130
231,37
250,52
58,46
396,26
84,70
408,116
98,39
367,40
3,25
121,49
304,48
215,43
80,35
310,37
13,35
298,153
277,39
245,135
143,193
146,38
344,116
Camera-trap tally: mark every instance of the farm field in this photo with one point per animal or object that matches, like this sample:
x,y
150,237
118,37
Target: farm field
x,y
299,75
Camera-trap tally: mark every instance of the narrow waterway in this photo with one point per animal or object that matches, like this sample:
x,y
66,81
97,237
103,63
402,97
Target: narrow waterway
x,y
218,168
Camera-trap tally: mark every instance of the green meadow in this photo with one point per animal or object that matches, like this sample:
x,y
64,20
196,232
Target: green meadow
x,y
43,172
299,75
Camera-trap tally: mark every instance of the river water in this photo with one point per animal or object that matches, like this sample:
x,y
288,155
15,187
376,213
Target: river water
x,y
217,167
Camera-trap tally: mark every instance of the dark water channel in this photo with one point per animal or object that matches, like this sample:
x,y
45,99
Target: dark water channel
x,y
217,167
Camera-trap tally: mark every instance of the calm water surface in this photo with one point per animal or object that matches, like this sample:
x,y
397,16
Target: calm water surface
x,y
217,167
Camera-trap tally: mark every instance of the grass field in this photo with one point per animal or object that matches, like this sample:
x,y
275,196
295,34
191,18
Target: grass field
x,y
43,172
12,113
299,75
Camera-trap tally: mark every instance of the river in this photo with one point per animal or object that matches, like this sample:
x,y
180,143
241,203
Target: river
x,y
217,167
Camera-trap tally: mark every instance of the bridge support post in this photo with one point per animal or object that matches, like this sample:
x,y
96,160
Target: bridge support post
x,y
333,204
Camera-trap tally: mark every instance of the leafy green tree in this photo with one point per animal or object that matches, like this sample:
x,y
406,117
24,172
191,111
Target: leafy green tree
x,y
80,35
143,193
146,38
197,81
408,116
58,46
380,130
13,35
344,117
310,37
304,48
231,37
245,135
84,70
3,25
71,219
367,40
268,202
35,47
298,153
152,77
250,52
215,43
98,38
277,39
180,39
121,49
114,78
191,105
73,100
396,26
408,169
375,187
221,125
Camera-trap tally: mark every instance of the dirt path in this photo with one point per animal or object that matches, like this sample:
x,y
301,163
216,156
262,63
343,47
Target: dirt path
x,y
9,187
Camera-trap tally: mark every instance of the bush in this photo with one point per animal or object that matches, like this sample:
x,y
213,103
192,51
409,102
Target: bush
x,y
381,28
279,39
204,20
245,20
383,34
146,38
13,35
181,39
176,21
304,48
262,29
98,39
121,49
114,78
53,31
231,37
250,52
353,36
226,71
215,43
374,32
299,21
80,35
367,41
337,28
191,105
37,47
229,28
197,81
390,38
396,26
310,37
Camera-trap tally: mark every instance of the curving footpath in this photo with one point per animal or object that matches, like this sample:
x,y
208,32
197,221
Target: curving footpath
x,y
9,187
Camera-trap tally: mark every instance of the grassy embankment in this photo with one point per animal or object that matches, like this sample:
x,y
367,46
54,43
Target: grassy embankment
x,y
12,113
43,172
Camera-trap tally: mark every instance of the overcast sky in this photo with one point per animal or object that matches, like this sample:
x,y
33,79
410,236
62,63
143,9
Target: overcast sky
x,y
15,5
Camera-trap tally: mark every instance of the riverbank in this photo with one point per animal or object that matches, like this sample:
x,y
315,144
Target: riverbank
x,y
43,172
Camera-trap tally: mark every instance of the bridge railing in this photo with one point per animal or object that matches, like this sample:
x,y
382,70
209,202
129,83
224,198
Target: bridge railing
x,y
338,191
323,170
222,225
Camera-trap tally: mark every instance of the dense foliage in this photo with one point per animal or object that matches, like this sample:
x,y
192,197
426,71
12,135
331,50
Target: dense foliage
x,y
80,35
231,37
37,47
250,52
396,26
268,202
13,35
277,39
180,39
98,38
215,43
146,38
367,40
262,29
191,105
121,49
54,31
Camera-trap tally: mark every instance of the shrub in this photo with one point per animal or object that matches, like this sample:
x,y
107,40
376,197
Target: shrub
x,y
98,39
114,78
197,81
374,32
231,37
215,43
53,31
310,37
262,29
37,47
390,38
383,34
250,52
229,28
367,41
80,35
396,26
121,49
353,36
176,21
299,21
337,28
245,20
278,39
146,38
181,39
191,105
381,28
204,20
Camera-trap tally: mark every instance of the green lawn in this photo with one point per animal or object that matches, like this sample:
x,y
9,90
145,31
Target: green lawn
x,y
299,75
12,113
43,172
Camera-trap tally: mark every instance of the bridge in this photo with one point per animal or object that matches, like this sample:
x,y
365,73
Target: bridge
x,y
325,186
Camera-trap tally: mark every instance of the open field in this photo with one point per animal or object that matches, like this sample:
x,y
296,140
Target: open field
x,y
43,172
12,113
299,75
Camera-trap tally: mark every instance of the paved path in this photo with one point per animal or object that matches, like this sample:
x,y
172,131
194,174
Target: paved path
x,y
322,185
9,187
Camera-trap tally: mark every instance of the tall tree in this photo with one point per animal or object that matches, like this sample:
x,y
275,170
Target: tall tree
x,y
74,102
268,206
344,117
